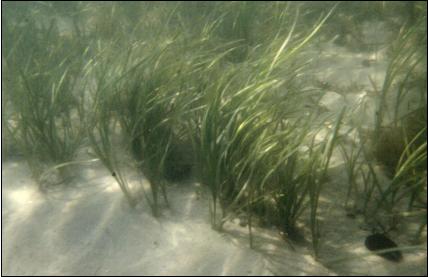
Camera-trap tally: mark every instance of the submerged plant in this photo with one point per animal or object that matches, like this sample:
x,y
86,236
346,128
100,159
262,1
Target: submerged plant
x,y
398,141
102,136
247,148
48,100
153,96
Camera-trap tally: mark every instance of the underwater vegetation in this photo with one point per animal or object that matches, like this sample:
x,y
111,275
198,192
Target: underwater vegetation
x,y
217,93
398,140
47,112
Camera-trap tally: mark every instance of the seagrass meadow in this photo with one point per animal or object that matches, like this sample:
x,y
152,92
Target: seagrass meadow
x,y
214,138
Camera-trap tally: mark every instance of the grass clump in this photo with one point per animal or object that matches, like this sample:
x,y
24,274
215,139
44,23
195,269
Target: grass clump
x,y
47,103
397,193
248,151
150,90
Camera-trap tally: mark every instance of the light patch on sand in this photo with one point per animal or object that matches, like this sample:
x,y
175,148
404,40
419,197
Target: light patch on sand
x,y
22,196
112,188
178,232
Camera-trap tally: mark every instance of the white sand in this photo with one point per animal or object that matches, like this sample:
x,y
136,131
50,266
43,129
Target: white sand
x,y
91,230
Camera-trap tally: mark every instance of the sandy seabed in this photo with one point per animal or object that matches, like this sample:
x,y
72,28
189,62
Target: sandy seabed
x,y
88,228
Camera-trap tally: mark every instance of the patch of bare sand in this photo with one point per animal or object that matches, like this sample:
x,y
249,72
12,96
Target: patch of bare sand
x,y
89,229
